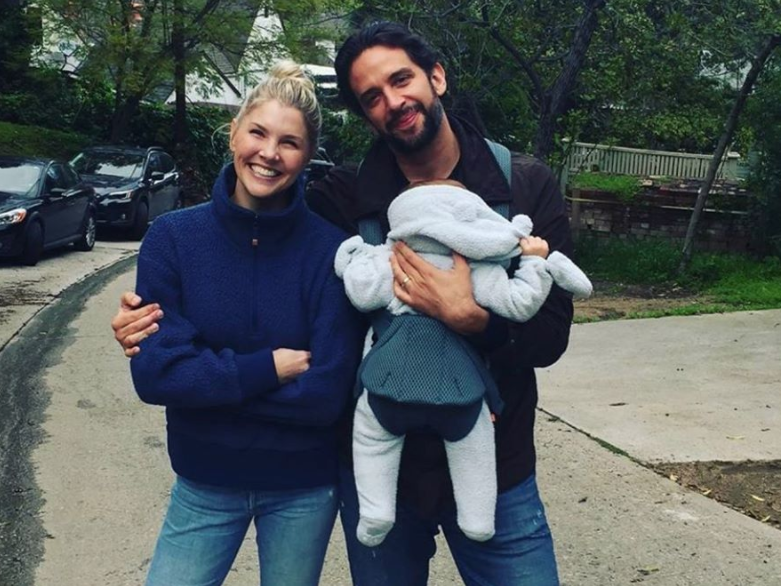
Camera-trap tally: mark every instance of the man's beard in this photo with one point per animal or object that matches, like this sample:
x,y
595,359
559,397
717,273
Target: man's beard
x,y
432,120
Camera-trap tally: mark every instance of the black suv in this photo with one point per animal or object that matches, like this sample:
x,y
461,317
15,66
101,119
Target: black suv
x,y
133,185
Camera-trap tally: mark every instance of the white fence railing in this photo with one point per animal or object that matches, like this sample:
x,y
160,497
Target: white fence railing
x,y
625,161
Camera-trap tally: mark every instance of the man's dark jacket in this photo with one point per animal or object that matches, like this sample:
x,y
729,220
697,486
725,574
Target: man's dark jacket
x,y
513,349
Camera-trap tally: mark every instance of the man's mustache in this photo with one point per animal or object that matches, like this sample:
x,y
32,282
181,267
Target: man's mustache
x,y
396,116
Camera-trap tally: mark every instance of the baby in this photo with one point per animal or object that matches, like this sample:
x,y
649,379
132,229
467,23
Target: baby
x,y
419,373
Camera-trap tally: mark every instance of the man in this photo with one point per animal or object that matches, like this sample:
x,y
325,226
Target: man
x,y
394,80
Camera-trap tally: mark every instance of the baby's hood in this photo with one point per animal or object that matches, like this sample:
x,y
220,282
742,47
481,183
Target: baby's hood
x,y
456,218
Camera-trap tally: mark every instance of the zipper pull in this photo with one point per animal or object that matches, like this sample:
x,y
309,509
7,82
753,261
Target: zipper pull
x,y
255,233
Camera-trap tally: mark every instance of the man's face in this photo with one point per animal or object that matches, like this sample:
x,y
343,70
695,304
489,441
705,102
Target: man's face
x,y
399,100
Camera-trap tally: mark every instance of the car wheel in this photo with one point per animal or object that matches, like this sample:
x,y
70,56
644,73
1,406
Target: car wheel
x,y
140,223
33,244
87,240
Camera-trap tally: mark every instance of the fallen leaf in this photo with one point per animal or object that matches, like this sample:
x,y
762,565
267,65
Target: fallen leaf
x,y
736,437
673,477
765,519
707,491
757,498
647,570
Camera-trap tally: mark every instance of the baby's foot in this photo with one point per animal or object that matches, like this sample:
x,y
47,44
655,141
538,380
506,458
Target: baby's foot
x,y
372,532
477,530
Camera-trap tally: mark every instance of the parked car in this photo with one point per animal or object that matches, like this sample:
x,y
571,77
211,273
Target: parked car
x,y
133,185
43,204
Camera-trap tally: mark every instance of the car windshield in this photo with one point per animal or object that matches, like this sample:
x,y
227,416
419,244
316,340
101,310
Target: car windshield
x,y
19,178
111,164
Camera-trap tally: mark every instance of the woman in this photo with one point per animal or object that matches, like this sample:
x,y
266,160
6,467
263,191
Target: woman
x,y
257,357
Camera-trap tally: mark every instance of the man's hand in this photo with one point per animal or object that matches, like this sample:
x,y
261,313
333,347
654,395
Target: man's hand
x,y
534,246
133,323
442,294
290,363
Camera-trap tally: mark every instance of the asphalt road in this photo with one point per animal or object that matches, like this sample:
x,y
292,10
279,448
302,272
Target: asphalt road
x,y
85,477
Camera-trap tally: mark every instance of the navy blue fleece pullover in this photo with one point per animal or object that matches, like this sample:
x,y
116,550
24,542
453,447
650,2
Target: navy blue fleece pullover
x,y
234,286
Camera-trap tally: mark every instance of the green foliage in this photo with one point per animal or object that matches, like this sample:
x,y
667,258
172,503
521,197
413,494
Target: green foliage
x,y
202,158
624,187
764,117
345,136
17,34
53,100
641,262
35,141
731,280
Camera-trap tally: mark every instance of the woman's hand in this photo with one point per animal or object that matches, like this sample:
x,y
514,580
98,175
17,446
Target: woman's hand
x,y
133,323
534,246
290,363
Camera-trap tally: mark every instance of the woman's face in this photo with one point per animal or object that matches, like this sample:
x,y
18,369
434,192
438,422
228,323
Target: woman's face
x,y
270,149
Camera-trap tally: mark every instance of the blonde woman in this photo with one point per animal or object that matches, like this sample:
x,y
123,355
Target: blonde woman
x,y
255,357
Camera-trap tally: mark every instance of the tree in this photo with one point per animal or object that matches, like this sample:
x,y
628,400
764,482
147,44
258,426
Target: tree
x,y
750,32
17,29
764,118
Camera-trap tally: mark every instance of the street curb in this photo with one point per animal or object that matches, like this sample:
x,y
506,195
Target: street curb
x,y
122,261
23,358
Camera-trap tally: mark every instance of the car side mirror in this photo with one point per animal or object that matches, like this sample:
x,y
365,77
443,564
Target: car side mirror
x,y
56,192
157,176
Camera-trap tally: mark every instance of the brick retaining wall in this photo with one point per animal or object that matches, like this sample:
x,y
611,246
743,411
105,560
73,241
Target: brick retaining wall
x,y
663,212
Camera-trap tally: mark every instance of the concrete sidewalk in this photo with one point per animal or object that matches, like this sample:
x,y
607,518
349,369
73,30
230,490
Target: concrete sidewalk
x,y
671,389
674,389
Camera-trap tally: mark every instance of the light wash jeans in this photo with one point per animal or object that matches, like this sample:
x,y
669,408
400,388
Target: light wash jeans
x,y
205,526
519,554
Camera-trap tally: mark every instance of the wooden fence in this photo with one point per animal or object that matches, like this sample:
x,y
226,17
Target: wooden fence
x,y
625,161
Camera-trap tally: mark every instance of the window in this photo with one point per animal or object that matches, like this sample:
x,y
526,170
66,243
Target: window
x,y
155,165
109,163
167,162
55,178
70,177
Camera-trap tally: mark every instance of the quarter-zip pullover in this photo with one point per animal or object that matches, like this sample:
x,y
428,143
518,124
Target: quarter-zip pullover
x,y
234,286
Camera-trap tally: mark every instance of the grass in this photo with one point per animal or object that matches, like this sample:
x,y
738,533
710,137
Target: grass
x,y
718,282
624,187
35,141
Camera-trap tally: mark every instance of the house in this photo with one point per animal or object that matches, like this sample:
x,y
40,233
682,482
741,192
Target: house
x,y
231,70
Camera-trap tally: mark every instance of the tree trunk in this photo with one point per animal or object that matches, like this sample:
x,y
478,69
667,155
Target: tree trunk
x,y
180,74
554,103
120,123
757,65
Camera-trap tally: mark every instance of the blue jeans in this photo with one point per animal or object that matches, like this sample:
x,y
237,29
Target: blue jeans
x,y
205,526
520,554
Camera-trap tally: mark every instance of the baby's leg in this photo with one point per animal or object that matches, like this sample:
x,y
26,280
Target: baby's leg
x,y
472,463
376,457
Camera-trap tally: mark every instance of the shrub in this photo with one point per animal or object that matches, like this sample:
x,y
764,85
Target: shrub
x,y
35,141
624,187
345,136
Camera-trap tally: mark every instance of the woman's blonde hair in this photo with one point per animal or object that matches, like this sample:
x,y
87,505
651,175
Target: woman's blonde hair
x,y
290,86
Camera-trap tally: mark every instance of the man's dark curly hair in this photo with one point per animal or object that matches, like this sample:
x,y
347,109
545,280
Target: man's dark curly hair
x,y
386,34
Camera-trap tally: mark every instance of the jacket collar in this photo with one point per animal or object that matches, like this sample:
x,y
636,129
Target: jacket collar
x,y
380,179
243,226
